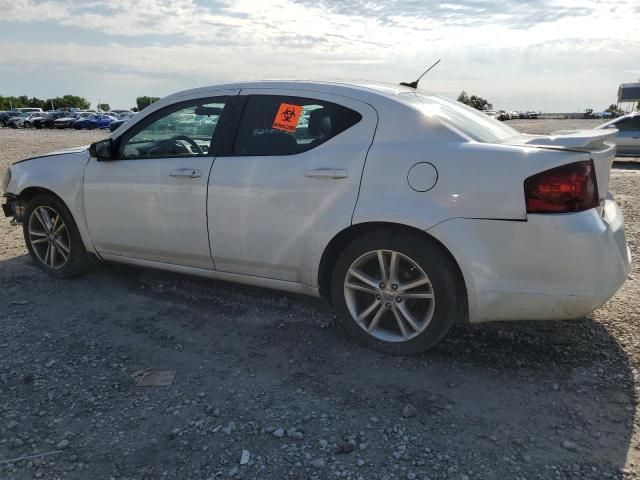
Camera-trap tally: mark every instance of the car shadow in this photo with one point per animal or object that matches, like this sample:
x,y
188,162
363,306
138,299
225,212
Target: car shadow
x,y
507,400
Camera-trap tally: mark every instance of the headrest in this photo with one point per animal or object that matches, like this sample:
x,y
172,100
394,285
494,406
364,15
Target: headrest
x,y
319,123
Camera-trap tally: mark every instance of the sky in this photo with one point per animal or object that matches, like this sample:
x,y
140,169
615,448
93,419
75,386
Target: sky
x,y
553,56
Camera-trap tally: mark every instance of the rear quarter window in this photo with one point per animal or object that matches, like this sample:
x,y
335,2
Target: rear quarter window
x,y
471,122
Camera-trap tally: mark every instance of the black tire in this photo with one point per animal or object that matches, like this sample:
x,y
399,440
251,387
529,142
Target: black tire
x,y
27,125
79,261
443,273
3,123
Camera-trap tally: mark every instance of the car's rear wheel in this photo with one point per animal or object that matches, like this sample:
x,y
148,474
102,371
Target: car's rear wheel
x,y
397,292
52,238
27,125
3,123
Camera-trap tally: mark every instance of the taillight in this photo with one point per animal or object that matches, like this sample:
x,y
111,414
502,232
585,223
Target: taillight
x,y
569,188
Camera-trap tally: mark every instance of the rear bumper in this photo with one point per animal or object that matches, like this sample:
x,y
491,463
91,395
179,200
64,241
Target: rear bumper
x,y
549,267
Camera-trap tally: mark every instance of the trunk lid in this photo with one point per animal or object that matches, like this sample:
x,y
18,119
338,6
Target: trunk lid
x,y
593,142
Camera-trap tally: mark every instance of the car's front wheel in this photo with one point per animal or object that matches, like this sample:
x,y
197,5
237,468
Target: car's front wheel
x,y
52,238
397,292
27,125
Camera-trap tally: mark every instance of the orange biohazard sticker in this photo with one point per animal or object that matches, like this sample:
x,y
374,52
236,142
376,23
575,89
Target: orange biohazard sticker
x,y
287,117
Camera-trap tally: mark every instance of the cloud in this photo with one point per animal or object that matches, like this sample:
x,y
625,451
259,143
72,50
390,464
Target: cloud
x,y
513,13
499,49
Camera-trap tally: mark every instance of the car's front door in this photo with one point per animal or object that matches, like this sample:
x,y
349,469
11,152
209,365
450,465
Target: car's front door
x,y
291,181
150,202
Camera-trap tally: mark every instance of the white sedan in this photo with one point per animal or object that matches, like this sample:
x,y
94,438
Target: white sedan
x,y
408,210
627,139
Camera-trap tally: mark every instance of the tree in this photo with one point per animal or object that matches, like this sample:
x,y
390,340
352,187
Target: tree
x,y
614,110
22,101
105,107
144,102
474,101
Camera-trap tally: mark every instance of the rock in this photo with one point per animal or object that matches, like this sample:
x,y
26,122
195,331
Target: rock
x,y
229,429
298,435
317,463
62,444
244,458
233,471
323,444
345,447
17,443
569,445
278,432
12,424
411,476
409,411
360,463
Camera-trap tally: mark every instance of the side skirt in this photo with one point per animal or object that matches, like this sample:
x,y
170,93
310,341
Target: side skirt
x,y
262,282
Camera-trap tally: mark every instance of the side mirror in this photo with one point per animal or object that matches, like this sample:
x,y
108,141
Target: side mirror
x,y
102,151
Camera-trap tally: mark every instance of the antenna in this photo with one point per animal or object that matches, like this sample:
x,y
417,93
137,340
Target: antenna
x,y
414,84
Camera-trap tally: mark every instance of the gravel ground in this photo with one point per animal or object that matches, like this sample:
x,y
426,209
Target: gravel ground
x,y
268,387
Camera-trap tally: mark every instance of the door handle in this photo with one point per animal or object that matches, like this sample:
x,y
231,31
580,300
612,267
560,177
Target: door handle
x,y
185,173
326,173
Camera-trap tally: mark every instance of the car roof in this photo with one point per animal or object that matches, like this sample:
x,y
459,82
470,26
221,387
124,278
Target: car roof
x,y
350,88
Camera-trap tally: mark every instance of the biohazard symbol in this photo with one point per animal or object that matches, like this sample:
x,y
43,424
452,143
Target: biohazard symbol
x,y
287,117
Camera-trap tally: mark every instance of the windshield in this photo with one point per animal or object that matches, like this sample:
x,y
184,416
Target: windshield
x,y
471,122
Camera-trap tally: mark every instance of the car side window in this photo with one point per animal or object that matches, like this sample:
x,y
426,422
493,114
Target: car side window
x,y
183,130
628,124
280,125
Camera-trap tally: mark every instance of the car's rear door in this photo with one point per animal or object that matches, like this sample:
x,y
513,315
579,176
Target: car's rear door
x,y
150,203
290,182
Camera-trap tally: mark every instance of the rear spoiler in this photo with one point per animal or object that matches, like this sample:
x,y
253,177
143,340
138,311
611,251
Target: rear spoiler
x,y
578,139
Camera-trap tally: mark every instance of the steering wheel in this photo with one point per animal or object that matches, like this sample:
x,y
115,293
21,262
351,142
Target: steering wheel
x,y
173,141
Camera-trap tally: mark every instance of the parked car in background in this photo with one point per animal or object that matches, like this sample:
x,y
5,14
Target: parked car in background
x,y
121,120
67,120
454,217
23,119
627,139
46,121
93,121
30,110
4,117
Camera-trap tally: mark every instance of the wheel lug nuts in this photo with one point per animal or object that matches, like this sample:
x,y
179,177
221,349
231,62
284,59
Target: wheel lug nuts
x,y
394,286
398,299
382,285
388,305
378,296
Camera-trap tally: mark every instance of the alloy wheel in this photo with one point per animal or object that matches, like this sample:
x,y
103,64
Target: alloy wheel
x,y
49,237
389,295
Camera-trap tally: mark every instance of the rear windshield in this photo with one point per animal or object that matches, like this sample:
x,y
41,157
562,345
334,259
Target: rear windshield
x,y
473,123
